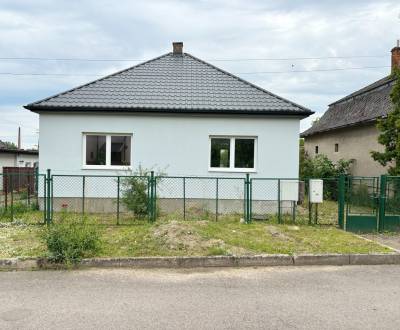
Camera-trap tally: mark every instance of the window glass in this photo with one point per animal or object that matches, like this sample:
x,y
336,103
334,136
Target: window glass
x,y
95,150
220,152
120,150
244,153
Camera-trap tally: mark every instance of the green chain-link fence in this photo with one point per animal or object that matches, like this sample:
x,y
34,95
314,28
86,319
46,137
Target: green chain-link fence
x,y
126,199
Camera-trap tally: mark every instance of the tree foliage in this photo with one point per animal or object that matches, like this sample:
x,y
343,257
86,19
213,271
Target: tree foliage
x,y
389,128
322,167
9,145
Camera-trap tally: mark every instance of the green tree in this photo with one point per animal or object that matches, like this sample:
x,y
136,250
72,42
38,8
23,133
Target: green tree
x,y
389,136
9,145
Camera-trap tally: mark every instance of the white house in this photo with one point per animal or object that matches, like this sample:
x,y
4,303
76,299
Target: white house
x,y
175,113
17,157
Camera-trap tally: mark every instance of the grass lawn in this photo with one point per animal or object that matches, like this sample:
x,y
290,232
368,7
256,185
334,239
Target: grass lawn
x,y
169,237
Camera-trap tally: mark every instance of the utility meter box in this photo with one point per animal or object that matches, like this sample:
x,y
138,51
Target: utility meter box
x,y
316,191
289,190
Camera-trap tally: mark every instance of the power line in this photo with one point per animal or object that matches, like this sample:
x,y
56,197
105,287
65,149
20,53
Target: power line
x,y
318,70
254,72
70,59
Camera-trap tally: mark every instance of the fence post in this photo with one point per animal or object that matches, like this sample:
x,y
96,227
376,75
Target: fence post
x,y
152,213
342,200
247,199
118,184
5,189
184,198
83,194
279,201
154,197
216,200
48,197
36,180
44,199
382,202
12,197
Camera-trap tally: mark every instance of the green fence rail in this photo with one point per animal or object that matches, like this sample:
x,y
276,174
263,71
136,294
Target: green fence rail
x,y
123,199
350,203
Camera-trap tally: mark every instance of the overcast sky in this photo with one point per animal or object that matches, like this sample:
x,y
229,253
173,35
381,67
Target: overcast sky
x,y
211,30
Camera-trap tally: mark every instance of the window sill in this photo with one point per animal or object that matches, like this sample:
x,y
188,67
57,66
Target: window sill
x,y
232,170
106,167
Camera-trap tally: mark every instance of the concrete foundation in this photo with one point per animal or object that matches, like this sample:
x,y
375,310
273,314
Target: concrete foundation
x,y
169,205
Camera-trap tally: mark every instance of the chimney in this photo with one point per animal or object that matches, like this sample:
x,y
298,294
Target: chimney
x,y
177,48
396,56
19,138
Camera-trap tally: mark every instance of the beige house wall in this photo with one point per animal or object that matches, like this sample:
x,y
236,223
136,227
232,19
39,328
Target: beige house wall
x,y
354,143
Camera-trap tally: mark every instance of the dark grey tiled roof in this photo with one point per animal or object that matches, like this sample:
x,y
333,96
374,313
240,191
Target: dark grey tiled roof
x,y
362,106
171,83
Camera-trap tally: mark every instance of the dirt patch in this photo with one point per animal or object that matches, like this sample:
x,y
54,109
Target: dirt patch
x,y
180,236
275,232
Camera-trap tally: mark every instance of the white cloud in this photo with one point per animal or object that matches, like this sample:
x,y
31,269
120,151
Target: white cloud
x,y
209,29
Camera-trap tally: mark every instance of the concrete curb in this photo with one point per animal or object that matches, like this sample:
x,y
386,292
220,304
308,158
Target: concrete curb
x,y
213,261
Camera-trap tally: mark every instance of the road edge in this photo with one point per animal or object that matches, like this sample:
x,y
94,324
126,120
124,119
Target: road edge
x,y
211,261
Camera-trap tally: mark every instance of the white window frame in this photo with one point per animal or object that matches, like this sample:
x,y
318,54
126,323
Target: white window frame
x,y
108,165
232,167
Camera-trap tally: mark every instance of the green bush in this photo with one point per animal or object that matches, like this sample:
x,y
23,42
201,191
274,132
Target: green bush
x,y
135,193
68,242
322,167
135,196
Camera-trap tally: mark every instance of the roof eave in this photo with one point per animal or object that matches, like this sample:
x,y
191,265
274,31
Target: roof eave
x,y
20,151
46,109
360,123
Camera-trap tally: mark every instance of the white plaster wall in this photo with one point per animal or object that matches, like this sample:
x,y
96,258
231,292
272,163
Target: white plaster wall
x,y
7,160
22,159
354,143
176,144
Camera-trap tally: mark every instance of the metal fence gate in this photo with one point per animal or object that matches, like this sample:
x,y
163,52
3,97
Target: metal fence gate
x,y
390,204
362,200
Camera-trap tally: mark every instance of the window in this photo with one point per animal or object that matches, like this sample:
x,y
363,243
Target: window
x,y
96,150
316,150
336,147
120,150
106,150
220,149
232,153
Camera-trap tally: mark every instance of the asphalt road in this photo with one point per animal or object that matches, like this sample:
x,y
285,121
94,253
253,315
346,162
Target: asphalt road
x,y
350,297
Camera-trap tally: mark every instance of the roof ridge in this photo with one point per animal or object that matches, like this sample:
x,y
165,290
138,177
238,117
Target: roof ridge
x,y
368,88
249,83
96,80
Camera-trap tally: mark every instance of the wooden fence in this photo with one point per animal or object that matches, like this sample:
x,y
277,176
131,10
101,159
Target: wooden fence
x,y
18,179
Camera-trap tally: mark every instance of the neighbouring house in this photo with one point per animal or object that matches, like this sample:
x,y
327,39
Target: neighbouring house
x,y
175,113
348,128
18,161
10,157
